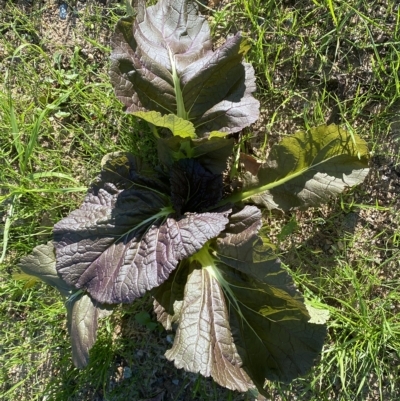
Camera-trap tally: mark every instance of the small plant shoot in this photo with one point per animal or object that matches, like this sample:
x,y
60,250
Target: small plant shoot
x,y
177,229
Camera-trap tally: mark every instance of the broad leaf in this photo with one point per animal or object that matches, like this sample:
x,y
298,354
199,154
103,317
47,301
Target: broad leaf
x,y
193,188
203,342
122,168
178,126
125,238
236,290
307,168
41,263
212,152
268,318
82,312
83,316
163,61
168,297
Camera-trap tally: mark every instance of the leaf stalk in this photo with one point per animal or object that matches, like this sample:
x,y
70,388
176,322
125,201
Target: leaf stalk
x,y
180,105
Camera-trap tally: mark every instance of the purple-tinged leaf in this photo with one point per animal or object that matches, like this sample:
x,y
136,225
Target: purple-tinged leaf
x,y
82,311
193,188
203,342
163,61
122,242
124,169
218,92
83,316
233,299
242,226
168,297
173,33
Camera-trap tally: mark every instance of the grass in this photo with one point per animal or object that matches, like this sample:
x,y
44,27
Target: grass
x,y
316,62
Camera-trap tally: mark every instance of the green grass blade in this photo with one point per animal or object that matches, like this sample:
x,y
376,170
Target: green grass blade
x,y
37,125
7,226
16,135
332,11
53,174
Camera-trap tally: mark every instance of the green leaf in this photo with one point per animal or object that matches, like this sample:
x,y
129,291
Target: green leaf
x,y
217,134
178,126
41,263
144,319
212,152
318,315
307,168
271,327
288,229
129,7
268,318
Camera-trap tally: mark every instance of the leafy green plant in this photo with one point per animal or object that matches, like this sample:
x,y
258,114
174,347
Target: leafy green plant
x,y
144,319
182,230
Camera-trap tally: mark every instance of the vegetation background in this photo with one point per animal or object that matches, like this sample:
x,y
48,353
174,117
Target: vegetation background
x,y
317,61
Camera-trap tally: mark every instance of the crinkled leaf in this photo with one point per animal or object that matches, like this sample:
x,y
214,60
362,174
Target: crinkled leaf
x,y
193,188
124,169
125,240
83,315
270,328
178,126
212,152
41,263
268,318
245,224
224,100
307,168
203,342
163,61
244,228
168,297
